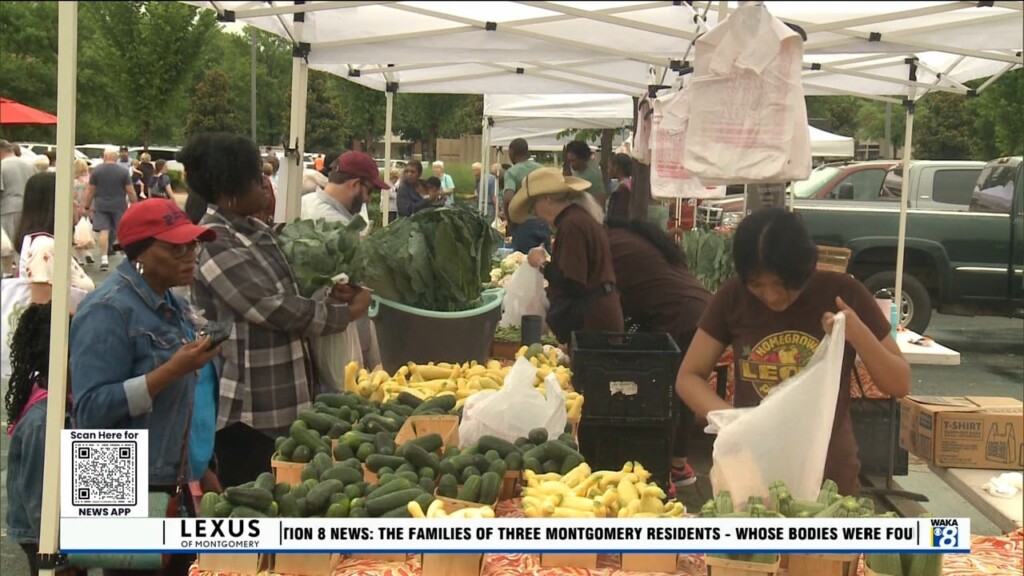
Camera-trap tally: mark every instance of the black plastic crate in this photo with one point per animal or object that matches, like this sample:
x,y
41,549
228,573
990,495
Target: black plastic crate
x,y
625,375
876,426
608,444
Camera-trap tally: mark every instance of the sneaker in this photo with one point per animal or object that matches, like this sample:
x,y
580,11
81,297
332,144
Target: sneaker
x,y
104,265
683,476
89,259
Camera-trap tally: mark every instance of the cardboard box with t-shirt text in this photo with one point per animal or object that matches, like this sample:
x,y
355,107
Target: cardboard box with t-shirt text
x,y
964,431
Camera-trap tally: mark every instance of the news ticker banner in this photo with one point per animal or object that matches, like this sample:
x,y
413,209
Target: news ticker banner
x,y
515,535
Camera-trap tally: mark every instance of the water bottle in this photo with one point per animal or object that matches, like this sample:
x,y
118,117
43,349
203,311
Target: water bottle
x,y
894,311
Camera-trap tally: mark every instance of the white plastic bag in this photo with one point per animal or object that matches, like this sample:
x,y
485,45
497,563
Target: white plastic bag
x,y
6,246
669,177
83,237
786,437
747,102
510,413
332,353
524,296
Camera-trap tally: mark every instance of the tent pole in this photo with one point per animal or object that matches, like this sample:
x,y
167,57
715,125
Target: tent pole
x,y
296,145
485,169
67,67
389,108
905,191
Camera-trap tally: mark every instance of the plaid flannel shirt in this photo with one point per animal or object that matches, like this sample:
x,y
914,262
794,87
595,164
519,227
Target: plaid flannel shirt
x,y
243,278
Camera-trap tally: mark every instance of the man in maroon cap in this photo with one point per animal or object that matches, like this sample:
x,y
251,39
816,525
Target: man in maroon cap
x,y
349,185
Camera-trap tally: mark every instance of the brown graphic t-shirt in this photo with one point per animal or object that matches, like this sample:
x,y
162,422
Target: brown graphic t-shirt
x,y
771,346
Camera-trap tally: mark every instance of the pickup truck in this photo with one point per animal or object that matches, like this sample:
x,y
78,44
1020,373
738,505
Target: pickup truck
x,y
965,261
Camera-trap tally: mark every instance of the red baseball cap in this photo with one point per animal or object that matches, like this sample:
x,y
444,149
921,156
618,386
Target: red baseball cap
x,y
161,219
361,165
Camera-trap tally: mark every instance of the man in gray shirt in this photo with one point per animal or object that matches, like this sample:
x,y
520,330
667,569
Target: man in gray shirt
x,y
14,173
106,199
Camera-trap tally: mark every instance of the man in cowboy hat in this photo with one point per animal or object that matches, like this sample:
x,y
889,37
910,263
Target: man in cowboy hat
x,y
581,276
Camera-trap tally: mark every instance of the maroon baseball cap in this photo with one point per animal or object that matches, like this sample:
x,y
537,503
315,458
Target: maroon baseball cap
x,y
361,165
161,219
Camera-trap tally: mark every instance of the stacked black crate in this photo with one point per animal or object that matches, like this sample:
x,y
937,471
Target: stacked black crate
x,y
628,386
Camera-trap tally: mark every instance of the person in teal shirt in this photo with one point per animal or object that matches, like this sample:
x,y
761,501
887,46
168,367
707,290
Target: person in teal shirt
x,y
532,232
580,160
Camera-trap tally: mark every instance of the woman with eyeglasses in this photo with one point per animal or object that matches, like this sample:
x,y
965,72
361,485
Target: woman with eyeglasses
x,y
243,279
136,360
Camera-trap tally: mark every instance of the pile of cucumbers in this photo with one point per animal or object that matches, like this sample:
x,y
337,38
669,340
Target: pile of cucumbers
x,y
361,427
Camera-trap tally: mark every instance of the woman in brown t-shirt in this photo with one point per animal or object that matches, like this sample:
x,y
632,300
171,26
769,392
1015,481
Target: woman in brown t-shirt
x,y
774,314
581,277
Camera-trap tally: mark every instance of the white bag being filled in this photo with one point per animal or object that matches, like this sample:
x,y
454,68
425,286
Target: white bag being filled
x,y
669,176
786,437
524,296
748,119
83,237
510,413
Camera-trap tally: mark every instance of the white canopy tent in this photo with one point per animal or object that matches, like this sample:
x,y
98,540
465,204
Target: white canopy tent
x,y
830,145
858,48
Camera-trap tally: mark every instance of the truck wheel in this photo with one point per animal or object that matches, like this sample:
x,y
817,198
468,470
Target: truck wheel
x,y
916,312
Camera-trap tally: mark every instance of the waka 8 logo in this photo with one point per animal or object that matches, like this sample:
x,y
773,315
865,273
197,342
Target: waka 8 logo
x,y
945,535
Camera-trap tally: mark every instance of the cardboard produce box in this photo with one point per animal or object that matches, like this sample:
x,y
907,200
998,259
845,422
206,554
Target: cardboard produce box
x,y
416,426
964,432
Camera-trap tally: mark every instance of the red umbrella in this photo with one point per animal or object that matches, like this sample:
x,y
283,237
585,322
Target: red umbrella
x,y
12,112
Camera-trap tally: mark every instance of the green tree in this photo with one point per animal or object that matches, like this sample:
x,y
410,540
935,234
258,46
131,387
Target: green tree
x,y
999,117
28,61
943,129
871,123
426,117
212,108
840,112
365,110
326,129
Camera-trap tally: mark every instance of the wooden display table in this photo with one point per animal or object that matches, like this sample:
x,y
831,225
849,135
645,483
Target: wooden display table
x,y
1005,513
931,354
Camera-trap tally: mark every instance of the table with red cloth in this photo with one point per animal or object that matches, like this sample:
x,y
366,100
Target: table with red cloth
x,y
989,555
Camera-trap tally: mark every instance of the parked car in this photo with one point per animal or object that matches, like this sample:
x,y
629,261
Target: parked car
x,y
166,153
965,259
38,148
95,151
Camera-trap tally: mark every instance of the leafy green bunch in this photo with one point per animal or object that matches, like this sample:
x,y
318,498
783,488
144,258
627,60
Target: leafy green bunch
x,y
709,254
318,250
434,260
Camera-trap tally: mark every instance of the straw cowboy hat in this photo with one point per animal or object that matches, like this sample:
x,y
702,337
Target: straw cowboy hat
x,y
542,182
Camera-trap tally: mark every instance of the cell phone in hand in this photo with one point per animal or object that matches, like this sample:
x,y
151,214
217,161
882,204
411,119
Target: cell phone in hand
x,y
218,332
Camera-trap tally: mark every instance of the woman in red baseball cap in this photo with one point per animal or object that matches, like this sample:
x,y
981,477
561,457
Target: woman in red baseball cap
x,y
135,359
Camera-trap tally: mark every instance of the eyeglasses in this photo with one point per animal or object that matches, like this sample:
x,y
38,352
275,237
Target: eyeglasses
x,y
182,250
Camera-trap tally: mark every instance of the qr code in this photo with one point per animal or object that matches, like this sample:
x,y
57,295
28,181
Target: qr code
x,y
103,473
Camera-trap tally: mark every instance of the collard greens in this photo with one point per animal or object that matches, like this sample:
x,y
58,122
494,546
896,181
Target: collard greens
x,y
318,250
434,260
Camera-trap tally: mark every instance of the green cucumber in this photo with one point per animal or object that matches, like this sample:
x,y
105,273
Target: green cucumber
x,y
488,443
490,486
378,506
448,486
470,491
256,498
318,497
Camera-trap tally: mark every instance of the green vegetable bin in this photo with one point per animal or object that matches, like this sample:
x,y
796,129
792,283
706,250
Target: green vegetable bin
x,y
406,334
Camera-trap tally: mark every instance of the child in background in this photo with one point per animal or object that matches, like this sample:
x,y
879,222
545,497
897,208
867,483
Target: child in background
x,y
432,189
25,402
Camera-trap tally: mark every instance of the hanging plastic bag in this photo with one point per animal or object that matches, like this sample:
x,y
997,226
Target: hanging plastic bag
x,y
83,237
510,413
332,353
6,246
669,177
524,296
770,442
747,102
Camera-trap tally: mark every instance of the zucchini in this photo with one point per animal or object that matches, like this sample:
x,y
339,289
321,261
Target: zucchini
x,y
490,485
288,507
448,486
514,461
223,509
302,454
246,512
300,431
429,443
365,451
208,505
470,491
410,400
256,498
379,505
377,461
538,436
444,404
488,443
316,421
318,497
417,456
343,473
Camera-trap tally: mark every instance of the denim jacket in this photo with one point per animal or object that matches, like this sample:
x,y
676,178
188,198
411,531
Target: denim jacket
x,y
25,475
121,332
